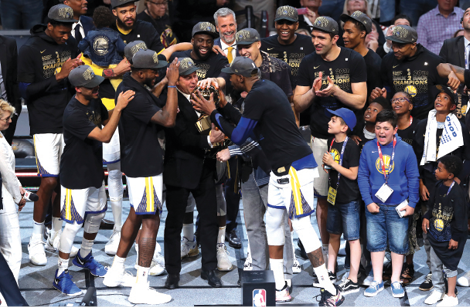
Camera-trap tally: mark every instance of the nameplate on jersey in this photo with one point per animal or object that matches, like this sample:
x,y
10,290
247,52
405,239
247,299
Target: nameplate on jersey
x,y
384,193
332,195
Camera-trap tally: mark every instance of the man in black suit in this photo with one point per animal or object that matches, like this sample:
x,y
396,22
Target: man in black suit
x,y
226,25
85,23
188,170
456,51
8,81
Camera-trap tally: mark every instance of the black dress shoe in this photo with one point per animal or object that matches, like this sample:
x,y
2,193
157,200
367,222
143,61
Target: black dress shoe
x,y
233,239
212,278
172,281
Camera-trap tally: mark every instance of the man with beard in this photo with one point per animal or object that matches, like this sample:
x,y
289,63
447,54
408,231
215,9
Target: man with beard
x,y
142,162
226,25
83,197
46,61
268,115
331,78
188,169
209,63
132,29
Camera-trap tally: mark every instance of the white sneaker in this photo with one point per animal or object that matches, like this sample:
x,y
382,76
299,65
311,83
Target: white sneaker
x,y
36,252
223,262
283,295
434,297
296,268
247,265
143,294
157,266
464,280
189,249
369,279
116,278
111,247
52,244
448,301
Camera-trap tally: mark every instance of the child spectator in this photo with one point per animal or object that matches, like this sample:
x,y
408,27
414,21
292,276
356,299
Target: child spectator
x,y
368,132
388,176
343,195
402,104
440,134
103,46
446,225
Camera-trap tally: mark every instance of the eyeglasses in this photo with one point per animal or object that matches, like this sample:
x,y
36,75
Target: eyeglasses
x,y
159,3
7,119
400,99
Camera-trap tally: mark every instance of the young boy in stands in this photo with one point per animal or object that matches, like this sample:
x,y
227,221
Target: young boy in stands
x,y
342,163
388,177
367,133
446,226
439,135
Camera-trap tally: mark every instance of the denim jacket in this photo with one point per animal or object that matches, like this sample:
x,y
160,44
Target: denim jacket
x,y
103,46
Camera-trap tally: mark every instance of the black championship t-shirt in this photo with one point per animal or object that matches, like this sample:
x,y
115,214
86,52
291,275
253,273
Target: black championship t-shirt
x,y
81,164
415,75
141,154
279,135
209,68
276,71
408,134
143,31
374,77
291,54
348,189
349,67
41,58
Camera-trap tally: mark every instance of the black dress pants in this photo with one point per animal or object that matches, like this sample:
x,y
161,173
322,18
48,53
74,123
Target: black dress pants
x,y
176,202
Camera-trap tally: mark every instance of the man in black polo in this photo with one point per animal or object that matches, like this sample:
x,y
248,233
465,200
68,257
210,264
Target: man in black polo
x,y
142,162
410,68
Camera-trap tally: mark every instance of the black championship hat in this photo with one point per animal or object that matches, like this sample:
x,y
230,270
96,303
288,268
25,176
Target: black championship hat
x,y
403,35
147,59
204,27
247,36
241,66
286,12
361,17
61,13
326,24
84,76
187,66
132,49
116,3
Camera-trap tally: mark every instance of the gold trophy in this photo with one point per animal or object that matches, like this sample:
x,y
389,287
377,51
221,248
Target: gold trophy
x,y
203,124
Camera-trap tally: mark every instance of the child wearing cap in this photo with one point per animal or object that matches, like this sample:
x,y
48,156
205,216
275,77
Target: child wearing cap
x,y
439,135
445,223
342,163
388,179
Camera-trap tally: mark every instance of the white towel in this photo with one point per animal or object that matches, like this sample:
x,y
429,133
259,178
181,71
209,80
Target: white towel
x,y
451,139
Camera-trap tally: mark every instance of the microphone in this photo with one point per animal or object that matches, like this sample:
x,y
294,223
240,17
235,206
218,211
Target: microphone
x,y
30,196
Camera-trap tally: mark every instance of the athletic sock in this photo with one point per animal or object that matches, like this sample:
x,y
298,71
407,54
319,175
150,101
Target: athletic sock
x,y
188,232
142,275
38,228
63,264
85,249
118,263
56,226
277,266
324,279
221,235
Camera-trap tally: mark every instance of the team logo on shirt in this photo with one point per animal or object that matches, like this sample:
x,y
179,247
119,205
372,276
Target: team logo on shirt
x,y
411,90
439,225
335,154
387,159
101,45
